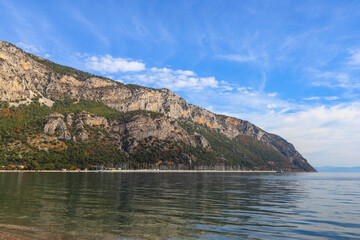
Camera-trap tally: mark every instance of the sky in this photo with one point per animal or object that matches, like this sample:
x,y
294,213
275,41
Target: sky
x,y
290,67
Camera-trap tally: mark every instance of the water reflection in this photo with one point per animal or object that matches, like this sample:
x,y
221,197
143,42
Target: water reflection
x,y
179,205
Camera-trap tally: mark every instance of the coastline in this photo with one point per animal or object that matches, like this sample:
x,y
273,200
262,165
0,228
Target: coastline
x,y
137,171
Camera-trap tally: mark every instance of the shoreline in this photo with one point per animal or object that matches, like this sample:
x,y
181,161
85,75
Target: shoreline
x,y
137,171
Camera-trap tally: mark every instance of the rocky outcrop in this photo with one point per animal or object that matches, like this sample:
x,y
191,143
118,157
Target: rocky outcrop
x,y
56,125
203,141
92,120
143,127
22,73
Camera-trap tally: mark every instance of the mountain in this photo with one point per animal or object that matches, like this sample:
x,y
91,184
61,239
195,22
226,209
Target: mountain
x,y
54,116
338,169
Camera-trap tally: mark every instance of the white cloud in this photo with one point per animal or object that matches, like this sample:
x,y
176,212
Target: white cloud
x,y
329,98
311,98
325,135
247,91
271,106
176,80
274,94
109,64
185,72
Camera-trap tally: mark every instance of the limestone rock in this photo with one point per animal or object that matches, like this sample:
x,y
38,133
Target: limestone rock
x,y
83,136
93,120
56,125
142,127
202,140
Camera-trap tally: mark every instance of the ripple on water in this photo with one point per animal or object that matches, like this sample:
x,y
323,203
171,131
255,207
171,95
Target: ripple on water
x,y
182,205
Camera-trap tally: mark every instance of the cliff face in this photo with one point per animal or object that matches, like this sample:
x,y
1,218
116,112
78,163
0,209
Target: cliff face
x,y
23,76
125,135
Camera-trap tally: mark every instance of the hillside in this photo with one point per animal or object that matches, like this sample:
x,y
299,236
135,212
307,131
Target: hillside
x,y
53,116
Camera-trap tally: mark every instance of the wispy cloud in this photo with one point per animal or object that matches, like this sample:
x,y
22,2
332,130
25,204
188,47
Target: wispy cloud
x,y
87,23
274,94
30,48
311,98
329,98
334,79
38,50
238,58
109,64
354,59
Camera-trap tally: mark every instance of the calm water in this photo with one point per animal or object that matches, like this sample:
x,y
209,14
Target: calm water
x,y
181,205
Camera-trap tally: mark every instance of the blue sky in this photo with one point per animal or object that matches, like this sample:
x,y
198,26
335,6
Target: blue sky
x,y
290,67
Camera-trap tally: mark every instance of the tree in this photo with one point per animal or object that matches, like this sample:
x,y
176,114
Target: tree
x,y
33,165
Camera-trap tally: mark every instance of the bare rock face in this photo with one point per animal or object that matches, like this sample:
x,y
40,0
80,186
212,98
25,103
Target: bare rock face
x,y
139,128
202,140
142,127
83,136
92,120
56,125
69,119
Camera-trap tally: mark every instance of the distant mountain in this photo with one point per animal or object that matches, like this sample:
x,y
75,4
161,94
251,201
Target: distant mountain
x,y
338,169
53,116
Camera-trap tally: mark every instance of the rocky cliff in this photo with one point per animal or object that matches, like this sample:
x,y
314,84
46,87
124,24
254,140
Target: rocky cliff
x,y
25,77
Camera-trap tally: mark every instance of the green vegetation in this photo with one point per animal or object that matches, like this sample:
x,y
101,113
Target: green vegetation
x,y
135,87
98,108
22,139
20,135
17,123
242,151
73,106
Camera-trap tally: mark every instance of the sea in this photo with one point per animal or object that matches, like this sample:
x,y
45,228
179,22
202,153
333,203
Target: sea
x,y
190,205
